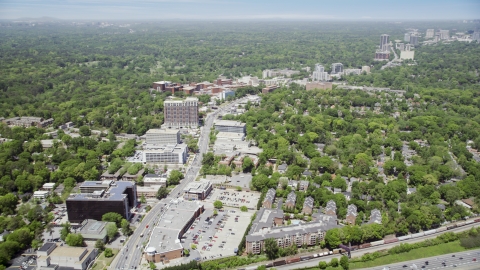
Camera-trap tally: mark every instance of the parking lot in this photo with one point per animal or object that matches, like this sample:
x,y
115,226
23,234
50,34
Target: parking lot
x,y
233,198
60,213
24,262
217,236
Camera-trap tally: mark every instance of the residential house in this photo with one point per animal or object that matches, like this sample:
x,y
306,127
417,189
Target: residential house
x,y
269,198
291,199
351,214
308,206
331,208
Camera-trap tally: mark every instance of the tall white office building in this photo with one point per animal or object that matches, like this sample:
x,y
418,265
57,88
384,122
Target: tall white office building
x,y
406,38
319,73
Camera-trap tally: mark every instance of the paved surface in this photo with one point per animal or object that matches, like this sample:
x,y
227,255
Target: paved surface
x,y
130,255
460,260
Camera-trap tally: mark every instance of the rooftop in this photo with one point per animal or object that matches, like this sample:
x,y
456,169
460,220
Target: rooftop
x,y
229,123
46,246
114,193
162,131
197,186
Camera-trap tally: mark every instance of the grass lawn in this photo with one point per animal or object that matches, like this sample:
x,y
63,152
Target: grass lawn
x,y
102,262
412,255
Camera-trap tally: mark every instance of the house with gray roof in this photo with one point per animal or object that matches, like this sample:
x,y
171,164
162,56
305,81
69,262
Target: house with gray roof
x,y
282,168
308,206
351,214
375,217
303,185
269,198
291,199
331,208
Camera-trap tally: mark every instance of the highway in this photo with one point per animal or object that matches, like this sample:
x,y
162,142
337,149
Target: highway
x,y
130,255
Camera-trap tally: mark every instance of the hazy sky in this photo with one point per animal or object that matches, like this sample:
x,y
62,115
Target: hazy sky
x,y
243,9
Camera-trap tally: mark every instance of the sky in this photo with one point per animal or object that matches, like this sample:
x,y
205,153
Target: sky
x,y
359,10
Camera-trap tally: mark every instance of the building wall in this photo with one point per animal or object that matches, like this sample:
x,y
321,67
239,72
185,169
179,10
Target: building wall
x,y
310,239
181,114
79,210
233,129
351,219
307,210
162,138
165,256
267,204
321,86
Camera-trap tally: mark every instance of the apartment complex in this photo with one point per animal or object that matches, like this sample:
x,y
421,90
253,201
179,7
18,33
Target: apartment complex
x,y
230,126
164,244
291,200
267,225
318,85
27,121
384,42
181,113
98,197
162,136
50,256
197,190
269,198
430,33
268,73
351,214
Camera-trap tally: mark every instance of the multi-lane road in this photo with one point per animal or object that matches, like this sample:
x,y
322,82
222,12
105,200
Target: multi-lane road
x,y
130,255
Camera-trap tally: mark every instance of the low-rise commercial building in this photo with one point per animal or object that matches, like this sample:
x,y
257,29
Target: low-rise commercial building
x,y
167,154
93,230
230,126
197,190
154,180
51,257
164,244
28,121
230,136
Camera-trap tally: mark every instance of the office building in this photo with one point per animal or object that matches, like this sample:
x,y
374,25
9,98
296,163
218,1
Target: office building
x,y
230,126
444,34
164,244
269,73
430,33
407,55
154,180
169,154
162,136
118,197
406,37
476,36
400,46
227,93
269,89
52,257
352,71
384,42
337,68
319,74
197,190
267,225
414,40
181,113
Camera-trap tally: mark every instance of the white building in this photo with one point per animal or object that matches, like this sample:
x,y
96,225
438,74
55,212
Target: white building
x,y
41,194
164,154
444,34
337,68
162,136
430,33
230,136
319,73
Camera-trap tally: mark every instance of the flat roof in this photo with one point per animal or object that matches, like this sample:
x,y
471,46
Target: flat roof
x,y
46,246
162,131
197,186
230,123
230,135
65,251
165,236
114,193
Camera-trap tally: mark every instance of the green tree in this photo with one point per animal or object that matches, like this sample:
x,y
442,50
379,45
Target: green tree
x,y
334,262
100,245
175,177
152,266
126,230
344,262
113,217
217,204
85,131
162,193
74,240
112,231
186,252
247,165
322,265
271,248
243,208
65,231
108,252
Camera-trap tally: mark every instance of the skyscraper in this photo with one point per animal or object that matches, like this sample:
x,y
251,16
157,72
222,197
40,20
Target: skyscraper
x,y
444,34
406,37
414,40
337,68
384,42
